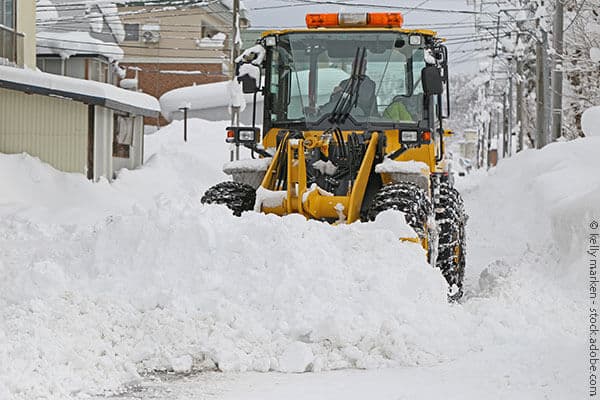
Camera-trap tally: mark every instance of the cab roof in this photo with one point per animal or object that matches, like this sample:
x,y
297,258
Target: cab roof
x,y
424,32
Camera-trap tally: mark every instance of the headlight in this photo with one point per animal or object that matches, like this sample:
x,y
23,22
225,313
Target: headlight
x,y
237,134
246,136
409,136
270,41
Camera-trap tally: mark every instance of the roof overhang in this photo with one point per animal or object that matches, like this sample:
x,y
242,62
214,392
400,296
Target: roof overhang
x,y
84,91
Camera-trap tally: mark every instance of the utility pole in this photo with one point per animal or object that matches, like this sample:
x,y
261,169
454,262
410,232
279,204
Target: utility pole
x,y
504,126
510,111
520,128
557,74
541,89
235,110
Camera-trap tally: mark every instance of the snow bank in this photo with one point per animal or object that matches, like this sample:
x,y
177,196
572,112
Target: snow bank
x,y
101,282
105,281
87,306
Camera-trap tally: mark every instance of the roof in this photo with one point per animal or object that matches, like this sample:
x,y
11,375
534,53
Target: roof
x,y
425,32
84,91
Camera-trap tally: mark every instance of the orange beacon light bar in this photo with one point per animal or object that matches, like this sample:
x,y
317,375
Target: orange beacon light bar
x,y
379,20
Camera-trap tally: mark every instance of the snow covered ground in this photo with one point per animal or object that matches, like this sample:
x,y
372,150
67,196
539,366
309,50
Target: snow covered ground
x,y
103,283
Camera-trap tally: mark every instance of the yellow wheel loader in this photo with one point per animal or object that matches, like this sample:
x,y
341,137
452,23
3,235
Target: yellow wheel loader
x,y
352,125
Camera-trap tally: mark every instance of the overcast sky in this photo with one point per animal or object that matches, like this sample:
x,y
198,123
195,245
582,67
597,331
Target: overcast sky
x,y
448,22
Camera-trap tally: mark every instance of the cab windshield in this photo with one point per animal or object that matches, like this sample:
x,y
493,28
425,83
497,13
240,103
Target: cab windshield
x,y
309,72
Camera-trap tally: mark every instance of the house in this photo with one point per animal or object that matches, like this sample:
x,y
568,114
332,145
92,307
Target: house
x,y
73,124
173,44
79,41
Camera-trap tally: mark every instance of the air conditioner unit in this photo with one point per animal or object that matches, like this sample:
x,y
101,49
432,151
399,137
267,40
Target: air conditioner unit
x,y
150,33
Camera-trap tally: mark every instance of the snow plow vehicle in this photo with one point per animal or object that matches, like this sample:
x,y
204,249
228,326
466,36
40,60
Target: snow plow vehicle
x,y
352,126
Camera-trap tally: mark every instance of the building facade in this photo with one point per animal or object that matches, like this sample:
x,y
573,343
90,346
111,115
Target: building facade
x,y
168,45
75,125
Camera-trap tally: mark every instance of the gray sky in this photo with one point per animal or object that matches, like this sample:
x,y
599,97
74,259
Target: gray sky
x,y
456,27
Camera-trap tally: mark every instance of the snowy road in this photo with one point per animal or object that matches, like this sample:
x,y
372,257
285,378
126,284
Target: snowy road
x,y
142,277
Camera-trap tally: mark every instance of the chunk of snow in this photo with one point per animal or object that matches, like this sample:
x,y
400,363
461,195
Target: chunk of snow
x,y
251,70
408,167
326,168
297,357
255,55
590,121
182,364
268,198
249,165
429,57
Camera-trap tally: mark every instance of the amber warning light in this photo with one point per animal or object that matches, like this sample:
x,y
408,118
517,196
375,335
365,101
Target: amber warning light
x,y
380,20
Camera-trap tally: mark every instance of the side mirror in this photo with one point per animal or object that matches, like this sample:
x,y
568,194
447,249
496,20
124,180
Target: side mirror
x,y
248,75
432,80
248,84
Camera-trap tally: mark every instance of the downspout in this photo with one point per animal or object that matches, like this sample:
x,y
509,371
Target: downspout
x,y
90,146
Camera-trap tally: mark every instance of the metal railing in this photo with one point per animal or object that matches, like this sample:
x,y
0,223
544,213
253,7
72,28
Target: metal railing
x,y
11,46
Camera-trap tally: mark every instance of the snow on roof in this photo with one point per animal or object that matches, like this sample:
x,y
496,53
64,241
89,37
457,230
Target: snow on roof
x,y
82,15
111,16
67,44
200,97
46,11
79,89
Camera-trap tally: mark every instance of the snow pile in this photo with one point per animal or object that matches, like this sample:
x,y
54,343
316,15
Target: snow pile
x,y
67,44
101,282
158,281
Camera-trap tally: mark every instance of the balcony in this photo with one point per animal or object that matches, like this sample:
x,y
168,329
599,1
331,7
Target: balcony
x,y
11,47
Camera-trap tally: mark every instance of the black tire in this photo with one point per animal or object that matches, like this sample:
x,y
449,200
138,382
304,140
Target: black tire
x,y
406,197
239,197
451,220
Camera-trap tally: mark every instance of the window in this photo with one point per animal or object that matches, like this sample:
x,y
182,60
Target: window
x,y
51,65
208,31
123,136
310,71
6,13
97,70
132,32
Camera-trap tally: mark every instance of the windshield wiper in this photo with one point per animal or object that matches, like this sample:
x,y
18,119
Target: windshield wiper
x,y
350,93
